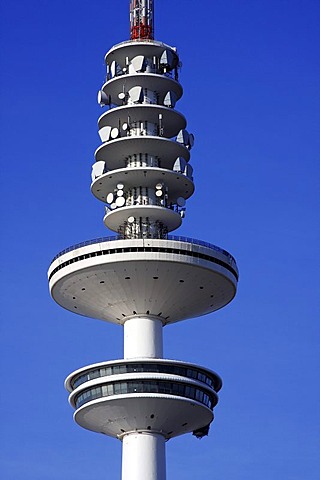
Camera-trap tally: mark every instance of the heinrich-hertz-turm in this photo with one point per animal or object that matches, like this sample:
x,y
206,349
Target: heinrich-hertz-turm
x,y
143,278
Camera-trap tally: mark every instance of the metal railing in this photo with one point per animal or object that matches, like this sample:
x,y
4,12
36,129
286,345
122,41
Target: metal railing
x,y
169,237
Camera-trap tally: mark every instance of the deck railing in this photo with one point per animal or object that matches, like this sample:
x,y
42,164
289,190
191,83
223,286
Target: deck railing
x,y
169,237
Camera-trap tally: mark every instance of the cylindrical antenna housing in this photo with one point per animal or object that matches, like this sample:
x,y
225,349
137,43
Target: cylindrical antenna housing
x,y
141,20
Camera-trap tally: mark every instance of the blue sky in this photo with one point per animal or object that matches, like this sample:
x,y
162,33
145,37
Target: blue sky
x,y
251,97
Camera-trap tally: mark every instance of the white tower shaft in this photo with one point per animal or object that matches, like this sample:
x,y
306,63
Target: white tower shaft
x,y
143,337
143,457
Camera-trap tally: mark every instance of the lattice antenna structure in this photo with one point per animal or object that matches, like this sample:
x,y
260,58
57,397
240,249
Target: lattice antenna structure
x,y
143,278
141,20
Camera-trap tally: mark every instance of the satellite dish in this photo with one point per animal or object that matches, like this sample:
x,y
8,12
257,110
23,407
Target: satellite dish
x,y
125,126
159,186
110,197
120,201
103,98
131,69
104,133
167,59
191,140
120,186
121,95
182,213
138,63
170,100
159,193
98,169
179,165
188,171
114,133
120,193
131,219
135,94
181,202
113,69
113,206
183,137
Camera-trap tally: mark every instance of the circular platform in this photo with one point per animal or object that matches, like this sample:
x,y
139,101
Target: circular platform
x,y
116,152
178,185
115,218
172,121
159,83
116,279
131,49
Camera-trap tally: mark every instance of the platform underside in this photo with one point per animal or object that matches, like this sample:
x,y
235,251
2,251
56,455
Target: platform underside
x,y
172,416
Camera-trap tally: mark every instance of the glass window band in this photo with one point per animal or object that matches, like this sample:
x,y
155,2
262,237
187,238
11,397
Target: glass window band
x,y
180,370
146,386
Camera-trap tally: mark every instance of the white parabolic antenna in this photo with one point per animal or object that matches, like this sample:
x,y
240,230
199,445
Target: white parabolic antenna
x,y
181,202
120,201
110,198
113,69
114,133
103,98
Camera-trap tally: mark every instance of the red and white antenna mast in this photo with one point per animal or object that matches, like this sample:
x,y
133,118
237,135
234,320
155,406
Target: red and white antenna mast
x,y
141,20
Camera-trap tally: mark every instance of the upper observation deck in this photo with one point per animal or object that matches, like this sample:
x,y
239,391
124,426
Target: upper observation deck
x,y
173,279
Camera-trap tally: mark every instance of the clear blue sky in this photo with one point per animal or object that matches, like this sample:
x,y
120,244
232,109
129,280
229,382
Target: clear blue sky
x,y
251,97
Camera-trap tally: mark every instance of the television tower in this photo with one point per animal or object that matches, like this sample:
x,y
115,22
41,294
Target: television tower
x,y
142,278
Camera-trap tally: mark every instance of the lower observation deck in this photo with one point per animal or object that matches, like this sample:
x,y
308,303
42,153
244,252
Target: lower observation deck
x,y
173,279
115,279
160,396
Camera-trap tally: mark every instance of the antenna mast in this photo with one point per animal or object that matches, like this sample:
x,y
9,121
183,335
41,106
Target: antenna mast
x,y
141,20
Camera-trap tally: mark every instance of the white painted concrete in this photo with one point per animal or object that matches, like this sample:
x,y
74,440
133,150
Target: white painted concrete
x,y
143,337
143,457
